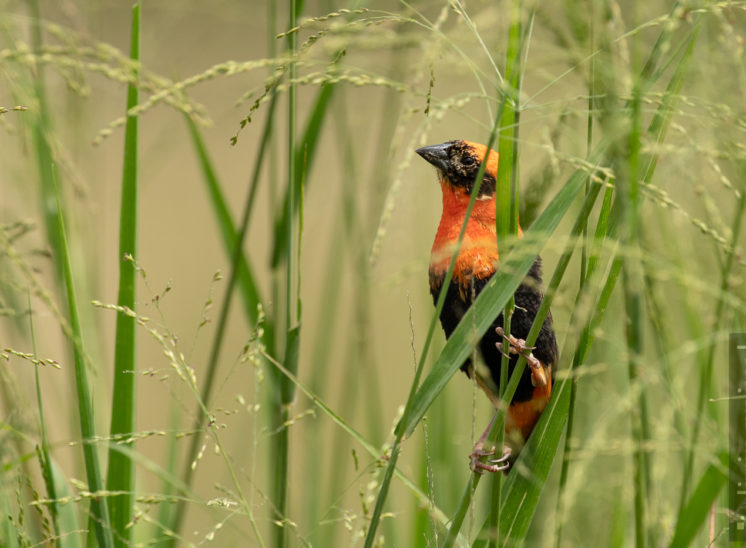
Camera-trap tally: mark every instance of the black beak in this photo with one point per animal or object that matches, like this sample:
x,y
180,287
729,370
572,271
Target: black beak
x,y
437,155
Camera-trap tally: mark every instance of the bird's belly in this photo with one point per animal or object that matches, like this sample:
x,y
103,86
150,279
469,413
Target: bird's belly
x,y
523,415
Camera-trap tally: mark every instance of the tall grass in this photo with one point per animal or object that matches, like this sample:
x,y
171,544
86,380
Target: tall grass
x,y
619,129
121,471
99,512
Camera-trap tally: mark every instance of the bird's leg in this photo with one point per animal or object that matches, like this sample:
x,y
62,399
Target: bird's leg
x,y
518,346
492,465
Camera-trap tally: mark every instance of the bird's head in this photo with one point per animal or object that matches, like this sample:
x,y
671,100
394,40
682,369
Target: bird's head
x,y
458,165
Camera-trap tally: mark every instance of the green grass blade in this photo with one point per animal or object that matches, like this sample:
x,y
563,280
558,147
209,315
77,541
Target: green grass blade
x,y
521,490
43,451
99,508
282,445
64,516
592,262
506,218
658,126
494,297
42,126
698,507
292,296
228,233
68,531
291,359
121,473
507,145
9,535
628,184
303,157
602,228
662,44
457,520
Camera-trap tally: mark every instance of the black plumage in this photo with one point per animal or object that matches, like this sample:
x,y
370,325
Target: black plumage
x,y
528,298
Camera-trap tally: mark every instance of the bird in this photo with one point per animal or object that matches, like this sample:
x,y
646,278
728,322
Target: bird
x,y
457,163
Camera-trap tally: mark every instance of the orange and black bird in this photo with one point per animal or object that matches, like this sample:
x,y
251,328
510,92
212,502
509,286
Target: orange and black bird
x,y
458,163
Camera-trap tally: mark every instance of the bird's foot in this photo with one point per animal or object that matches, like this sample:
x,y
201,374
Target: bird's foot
x,y
518,346
476,464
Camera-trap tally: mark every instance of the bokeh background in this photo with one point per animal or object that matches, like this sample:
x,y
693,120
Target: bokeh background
x,y
397,75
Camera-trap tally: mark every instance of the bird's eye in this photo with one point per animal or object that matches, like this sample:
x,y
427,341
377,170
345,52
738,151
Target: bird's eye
x,y
467,160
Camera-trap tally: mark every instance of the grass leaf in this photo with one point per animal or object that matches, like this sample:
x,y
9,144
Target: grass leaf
x,y
121,473
530,471
228,233
99,508
698,507
68,531
303,159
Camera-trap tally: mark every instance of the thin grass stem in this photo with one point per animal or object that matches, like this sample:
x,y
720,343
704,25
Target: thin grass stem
x,y
121,471
99,508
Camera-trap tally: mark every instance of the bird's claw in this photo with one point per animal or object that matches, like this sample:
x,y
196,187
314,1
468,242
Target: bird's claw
x,y
477,465
519,346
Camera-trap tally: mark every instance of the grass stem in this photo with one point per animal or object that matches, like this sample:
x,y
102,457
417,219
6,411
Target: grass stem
x,y
121,471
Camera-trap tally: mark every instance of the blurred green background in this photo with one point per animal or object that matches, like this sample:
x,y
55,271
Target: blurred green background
x,y
374,81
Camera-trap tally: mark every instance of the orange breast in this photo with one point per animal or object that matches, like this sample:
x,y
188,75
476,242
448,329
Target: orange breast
x,y
478,254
